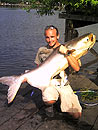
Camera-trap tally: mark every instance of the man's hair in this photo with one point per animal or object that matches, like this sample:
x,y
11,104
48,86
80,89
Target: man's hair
x,y
51,27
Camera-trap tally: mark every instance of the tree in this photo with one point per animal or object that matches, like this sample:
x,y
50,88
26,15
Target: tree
x,y
47,7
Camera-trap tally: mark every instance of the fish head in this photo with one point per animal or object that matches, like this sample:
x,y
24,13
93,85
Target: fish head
x,y
92,41
81,45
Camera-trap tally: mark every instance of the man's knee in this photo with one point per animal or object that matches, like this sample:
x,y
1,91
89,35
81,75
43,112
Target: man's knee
x,y
76,115
50,102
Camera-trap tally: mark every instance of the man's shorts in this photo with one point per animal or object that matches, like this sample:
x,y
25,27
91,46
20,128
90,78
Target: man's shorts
x,y
69,101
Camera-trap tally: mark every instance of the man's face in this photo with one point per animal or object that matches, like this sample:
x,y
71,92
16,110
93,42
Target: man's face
x,y
51,37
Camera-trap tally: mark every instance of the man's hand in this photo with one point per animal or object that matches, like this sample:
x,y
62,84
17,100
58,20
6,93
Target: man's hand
x,y
71,59
63,49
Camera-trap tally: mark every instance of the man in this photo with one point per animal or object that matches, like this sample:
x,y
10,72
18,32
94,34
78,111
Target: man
x,y
59,88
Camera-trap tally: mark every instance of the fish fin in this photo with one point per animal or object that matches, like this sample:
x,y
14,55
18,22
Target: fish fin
x,y
79,61
14,83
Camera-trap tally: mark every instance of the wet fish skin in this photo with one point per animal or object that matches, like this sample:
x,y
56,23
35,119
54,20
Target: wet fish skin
x,y
40,76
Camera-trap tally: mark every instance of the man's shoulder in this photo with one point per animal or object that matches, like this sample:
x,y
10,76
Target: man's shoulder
x,y
43,47
45,50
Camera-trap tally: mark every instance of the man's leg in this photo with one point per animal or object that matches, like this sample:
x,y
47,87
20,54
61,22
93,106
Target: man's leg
x,y
69,101
50,96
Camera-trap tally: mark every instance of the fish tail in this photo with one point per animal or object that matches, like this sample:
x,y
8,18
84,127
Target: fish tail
x,y
14,83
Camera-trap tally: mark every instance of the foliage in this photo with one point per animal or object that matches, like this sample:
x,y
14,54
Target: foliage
x,y
47,7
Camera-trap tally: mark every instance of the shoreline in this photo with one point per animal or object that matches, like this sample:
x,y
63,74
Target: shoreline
x,y
14,5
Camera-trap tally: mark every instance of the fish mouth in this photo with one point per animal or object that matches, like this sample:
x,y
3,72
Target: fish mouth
x,y
93,40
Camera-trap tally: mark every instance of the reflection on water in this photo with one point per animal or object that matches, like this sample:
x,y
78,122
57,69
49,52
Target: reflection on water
x,y
21,34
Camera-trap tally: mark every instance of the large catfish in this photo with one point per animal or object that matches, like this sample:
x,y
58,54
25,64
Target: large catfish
x,y
40,76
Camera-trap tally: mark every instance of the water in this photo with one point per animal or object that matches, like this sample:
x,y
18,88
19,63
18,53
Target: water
x,y
22,33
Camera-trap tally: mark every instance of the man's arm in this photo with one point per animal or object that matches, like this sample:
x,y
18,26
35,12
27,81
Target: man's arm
x,y
73,62
71,59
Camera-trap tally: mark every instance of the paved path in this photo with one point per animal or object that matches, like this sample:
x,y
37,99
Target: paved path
x,y
22,114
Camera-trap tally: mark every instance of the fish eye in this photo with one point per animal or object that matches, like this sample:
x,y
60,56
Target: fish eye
x,y
87,39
